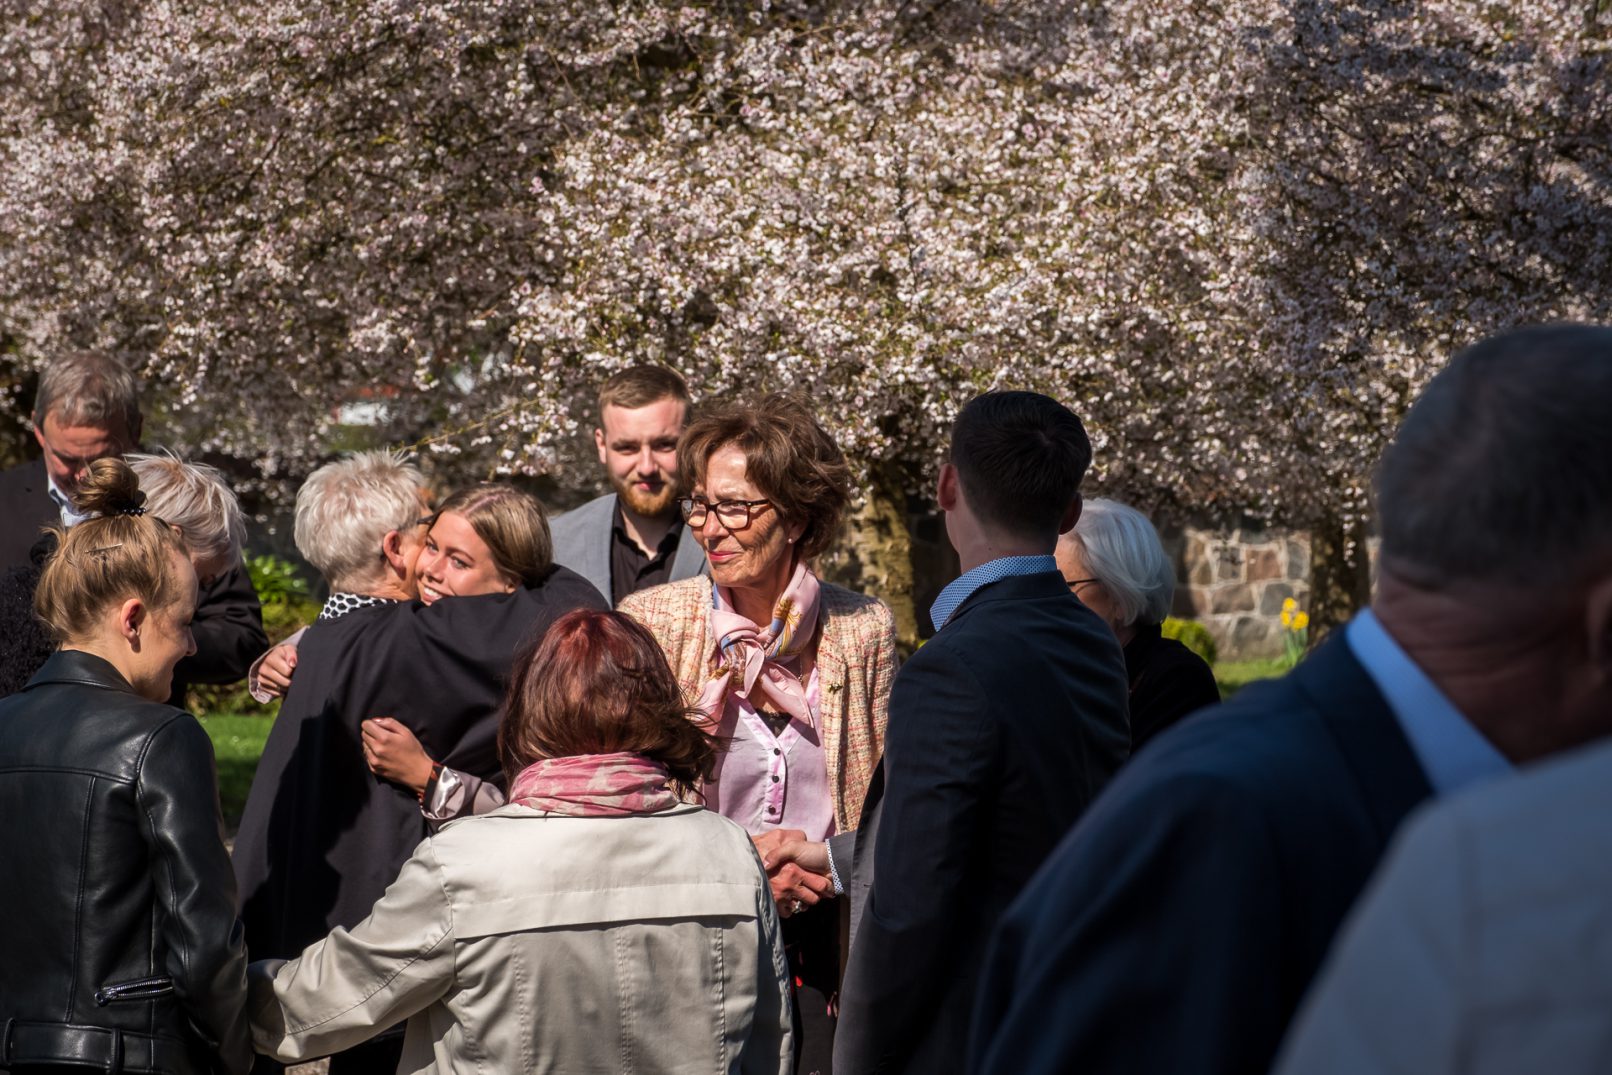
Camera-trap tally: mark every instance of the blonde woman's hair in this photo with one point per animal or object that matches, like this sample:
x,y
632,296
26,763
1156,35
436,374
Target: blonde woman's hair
x,y
122,551
514,526
193,497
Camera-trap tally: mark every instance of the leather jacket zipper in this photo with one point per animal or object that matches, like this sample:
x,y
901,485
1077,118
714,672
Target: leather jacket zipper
x,y
139,989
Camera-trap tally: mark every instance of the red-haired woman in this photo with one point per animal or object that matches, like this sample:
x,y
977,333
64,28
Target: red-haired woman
x,y
595,923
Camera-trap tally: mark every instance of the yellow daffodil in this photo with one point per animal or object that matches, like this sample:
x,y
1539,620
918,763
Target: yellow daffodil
x,y
1287,617
1301,620
1288,607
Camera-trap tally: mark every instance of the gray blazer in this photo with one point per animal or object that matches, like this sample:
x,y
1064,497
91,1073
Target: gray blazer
x,y
582,543
1481,946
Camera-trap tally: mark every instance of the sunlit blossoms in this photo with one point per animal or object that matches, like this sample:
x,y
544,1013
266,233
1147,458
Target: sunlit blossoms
x,y
1236,237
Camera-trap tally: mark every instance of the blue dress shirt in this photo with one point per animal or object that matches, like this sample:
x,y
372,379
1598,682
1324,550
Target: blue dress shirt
x,y
1452,752
963,586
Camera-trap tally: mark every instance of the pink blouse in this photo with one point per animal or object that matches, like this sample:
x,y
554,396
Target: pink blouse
x,y
767,782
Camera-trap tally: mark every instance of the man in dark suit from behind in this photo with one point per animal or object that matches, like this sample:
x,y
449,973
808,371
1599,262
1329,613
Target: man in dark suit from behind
x,y
88,408
1176,928
1002,728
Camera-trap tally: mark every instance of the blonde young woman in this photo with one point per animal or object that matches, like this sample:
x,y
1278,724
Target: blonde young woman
x,y
121,946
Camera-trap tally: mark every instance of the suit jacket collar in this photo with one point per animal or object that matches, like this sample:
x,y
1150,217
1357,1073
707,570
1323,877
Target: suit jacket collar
x,y
689,560
1366,731
1042,584
76,666
589,553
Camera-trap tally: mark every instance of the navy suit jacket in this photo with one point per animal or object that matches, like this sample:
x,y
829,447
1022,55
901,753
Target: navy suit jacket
x,y
1002,728
1177,926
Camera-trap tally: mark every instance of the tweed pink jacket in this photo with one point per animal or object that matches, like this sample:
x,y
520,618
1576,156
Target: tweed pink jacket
x,y
856,663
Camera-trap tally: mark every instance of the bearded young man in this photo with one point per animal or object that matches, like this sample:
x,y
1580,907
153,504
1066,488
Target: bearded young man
x,y
632,538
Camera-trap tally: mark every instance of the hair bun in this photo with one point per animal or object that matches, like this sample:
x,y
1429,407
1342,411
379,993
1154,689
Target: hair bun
x,y
110,488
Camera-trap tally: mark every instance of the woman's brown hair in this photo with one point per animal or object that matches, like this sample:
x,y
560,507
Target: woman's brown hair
x,y
788,455
118,553
512,523
598,683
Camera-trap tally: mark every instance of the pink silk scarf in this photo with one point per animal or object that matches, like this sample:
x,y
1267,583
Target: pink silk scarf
x,y
595,785
746,657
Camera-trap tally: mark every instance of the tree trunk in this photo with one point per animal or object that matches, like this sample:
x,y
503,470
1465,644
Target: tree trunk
x,y
874,553
1340,575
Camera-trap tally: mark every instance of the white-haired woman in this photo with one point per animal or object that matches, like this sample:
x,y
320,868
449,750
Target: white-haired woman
x,y
1112,560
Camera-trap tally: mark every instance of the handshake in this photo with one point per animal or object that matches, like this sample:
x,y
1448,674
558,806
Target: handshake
x,y
797,869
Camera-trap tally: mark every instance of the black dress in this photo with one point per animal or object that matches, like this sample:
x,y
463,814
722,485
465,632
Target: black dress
x,y
1168,681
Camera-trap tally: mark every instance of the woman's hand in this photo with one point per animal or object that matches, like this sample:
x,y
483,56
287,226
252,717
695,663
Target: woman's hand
x,y
794,878
274,674
393,753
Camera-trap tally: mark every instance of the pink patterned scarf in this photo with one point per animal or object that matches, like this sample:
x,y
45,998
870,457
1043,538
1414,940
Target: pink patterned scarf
x,y
595,785
747,658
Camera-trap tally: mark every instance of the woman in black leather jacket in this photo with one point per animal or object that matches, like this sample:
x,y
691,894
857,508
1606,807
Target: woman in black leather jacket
x,y
119,945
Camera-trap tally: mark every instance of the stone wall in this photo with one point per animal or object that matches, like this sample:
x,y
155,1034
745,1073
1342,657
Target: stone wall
x,y
1234,583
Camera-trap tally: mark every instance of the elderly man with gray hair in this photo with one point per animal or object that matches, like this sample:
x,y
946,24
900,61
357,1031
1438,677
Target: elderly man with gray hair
x,y
87,408
1180,922
1112,560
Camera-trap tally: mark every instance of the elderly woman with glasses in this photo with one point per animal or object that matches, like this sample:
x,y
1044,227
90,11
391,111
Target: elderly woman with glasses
x,y
1112,560
791,672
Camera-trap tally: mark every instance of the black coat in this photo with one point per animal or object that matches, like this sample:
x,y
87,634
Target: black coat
x,y
1002,728
25,645
25,510
118,909
1177,926
1168,681
228,629
229,620
322,837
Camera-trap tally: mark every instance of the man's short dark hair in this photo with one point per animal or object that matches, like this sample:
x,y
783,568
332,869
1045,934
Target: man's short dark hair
x,y
639,386
1502,464
1021,457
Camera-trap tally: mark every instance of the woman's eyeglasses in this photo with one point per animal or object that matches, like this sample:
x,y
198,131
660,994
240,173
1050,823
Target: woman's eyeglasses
x,y
733,514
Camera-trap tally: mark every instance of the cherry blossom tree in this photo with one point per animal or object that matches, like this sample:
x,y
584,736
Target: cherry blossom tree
x,y
1236,237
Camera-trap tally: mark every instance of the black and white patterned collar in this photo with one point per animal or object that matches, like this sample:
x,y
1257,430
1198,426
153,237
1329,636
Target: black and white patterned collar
x,y
340,604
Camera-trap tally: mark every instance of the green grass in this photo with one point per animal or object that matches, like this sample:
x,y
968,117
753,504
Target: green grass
x,y
237,743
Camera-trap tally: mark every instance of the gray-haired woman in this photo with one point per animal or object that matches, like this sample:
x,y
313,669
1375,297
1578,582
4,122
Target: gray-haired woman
x,y
1112,560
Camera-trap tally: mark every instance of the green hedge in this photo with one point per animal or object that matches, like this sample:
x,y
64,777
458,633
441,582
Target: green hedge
x,y
1193,635
288,605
